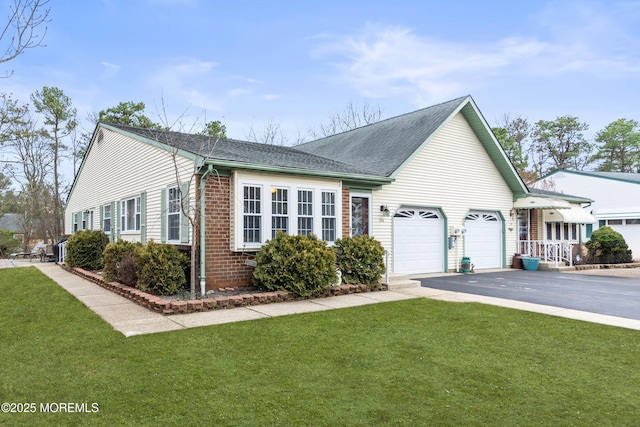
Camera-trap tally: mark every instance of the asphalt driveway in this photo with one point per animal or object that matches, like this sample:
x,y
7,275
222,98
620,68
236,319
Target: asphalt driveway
x,y
609,295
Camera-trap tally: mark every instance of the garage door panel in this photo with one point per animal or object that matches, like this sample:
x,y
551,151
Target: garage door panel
x,y
483,239
418,241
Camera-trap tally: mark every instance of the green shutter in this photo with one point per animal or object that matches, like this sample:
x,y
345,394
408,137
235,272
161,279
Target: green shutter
x,y
143,217
184,220
101,224
163,215
589,230
117,220
112,234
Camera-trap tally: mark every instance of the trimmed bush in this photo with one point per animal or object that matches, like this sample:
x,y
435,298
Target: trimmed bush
x,y
301,265
160,269
116,269
85,248
360,259
607,246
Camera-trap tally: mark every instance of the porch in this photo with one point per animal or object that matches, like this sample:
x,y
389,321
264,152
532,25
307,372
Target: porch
x,y
557,252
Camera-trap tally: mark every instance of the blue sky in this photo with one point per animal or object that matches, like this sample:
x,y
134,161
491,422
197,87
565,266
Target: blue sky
x,y
296,62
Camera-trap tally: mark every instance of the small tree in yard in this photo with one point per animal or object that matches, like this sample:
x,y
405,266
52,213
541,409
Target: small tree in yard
x,y
607,246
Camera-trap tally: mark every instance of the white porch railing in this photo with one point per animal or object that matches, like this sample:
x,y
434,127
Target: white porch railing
x,y
548,250
62,252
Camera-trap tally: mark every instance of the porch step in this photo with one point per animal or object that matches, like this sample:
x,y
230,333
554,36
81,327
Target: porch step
x,y
551,266
402,281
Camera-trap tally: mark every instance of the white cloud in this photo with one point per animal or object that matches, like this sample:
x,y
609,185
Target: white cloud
x,y
185,81
390,61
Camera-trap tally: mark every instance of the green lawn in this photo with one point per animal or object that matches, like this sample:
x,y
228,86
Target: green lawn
x,y
414,363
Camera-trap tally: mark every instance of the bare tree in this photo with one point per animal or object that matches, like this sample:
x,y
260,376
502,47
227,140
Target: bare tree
x,y
353,116
21,30
271,134
30,170
203,143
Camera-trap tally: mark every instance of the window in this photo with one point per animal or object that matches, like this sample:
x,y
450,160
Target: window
x,y
328,216
614,222
633,221
305,212
75,222
252,217
264,205
130,214
85,215
279,211
106,218
173,213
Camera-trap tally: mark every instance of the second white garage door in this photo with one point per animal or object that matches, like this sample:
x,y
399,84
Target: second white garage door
x,y
418,241
483,239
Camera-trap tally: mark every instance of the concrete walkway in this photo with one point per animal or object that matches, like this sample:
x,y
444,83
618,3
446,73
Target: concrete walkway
x,y
131,319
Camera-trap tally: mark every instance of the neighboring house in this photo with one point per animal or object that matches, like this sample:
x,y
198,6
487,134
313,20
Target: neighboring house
x,y
616,199
13,222
432,186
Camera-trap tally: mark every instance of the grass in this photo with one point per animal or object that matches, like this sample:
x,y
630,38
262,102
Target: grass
x,y
416,362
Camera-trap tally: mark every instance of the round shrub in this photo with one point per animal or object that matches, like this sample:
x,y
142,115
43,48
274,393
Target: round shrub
x,y
84,249
160,269
301,265
119,265
360,259
607,246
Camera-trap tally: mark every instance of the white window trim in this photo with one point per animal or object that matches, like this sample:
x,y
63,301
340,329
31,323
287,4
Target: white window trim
x,y
123,215
178,213
292,186
105,217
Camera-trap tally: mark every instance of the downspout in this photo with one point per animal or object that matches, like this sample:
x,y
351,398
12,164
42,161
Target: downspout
x,y
202,229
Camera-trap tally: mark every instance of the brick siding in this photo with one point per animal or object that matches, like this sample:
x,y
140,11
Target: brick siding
x,y
224,268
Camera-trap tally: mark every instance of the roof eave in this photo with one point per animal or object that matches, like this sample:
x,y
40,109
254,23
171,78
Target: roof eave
x,y
362,179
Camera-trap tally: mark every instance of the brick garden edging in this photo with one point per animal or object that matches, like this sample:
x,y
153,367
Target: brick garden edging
x,y
164,307
605,266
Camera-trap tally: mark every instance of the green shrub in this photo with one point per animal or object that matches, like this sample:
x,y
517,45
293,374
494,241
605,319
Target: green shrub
x,y
84,249
160,269
298,264
607,246
8,244
360,259
115,268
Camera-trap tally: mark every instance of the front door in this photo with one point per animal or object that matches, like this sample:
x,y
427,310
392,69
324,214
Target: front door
x,y
360,215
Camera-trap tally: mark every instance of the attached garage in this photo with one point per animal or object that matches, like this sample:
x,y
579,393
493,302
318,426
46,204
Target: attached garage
x,y
418,243
483,239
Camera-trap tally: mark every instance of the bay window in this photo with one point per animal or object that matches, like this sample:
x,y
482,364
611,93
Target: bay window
x,y
266,205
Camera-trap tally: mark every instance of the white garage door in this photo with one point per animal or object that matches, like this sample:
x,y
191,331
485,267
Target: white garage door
x,y
483,239
418,241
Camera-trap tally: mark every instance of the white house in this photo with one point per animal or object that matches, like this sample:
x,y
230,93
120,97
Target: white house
x,y
432,186
615,195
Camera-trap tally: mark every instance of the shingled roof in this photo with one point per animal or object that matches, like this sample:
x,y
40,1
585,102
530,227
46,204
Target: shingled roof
x,y
382,147
616,176
242,152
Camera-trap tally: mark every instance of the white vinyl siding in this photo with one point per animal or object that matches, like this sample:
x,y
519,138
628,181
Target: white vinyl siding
x,y
452,172
120,167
